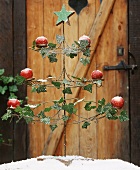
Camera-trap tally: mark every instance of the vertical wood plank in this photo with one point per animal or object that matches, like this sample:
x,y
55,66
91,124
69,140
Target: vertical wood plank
x,y
134,43
35,62
51,69
88,141
20,129
111,133
6,60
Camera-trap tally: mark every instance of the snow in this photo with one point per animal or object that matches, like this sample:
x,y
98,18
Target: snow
x,y
68,163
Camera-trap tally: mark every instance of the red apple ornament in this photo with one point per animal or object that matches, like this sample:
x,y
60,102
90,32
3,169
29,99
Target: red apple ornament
x,y
27,73
85,37
96,74
117,102
13,103
41,42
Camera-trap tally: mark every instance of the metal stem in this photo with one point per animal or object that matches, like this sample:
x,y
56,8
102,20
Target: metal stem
x,y
64,72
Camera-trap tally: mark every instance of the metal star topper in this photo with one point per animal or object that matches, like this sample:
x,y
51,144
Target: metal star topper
x,y
63,15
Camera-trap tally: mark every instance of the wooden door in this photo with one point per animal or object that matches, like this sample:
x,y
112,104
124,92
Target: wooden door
x,y
106,24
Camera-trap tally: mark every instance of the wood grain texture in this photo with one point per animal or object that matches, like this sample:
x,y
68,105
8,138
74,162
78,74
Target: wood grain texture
x,y
35,62
20,129
134,43
111,133
6,60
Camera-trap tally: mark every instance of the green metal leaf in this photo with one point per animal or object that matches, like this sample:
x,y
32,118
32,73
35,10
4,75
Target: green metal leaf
x,y
85,125
88,88
41,88
53,127
84,61
51,45
52,57
56,84
45,120
60,38
67,90
65,118
87,52
88,106
47,109
69,108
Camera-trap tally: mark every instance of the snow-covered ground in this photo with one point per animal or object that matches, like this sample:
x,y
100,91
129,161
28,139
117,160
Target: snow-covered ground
x,y
68,163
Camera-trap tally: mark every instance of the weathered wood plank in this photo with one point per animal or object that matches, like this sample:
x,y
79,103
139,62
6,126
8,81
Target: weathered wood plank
x,y
88,141
95,34
112,134
35,13
51,69
20,129
134,43
6,60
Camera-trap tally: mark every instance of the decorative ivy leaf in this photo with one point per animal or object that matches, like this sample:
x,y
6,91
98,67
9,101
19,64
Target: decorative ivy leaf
x,y
13,88
1,71
111,117
67,90
60,38
45,52
51,45
85,125
99,109
28,119
65,118
83,44
45,120
53,127
33,89
33,45
12,96
88,106
25,111
3,89
72,55
101,102
79,84
61,100
7,115
88,88
87,52
123,116
76,78
56,106
41,88
84,61
7,80
47,109
41,114
77,43
19,80
52,57
65,81
56,84
69,108
107,107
